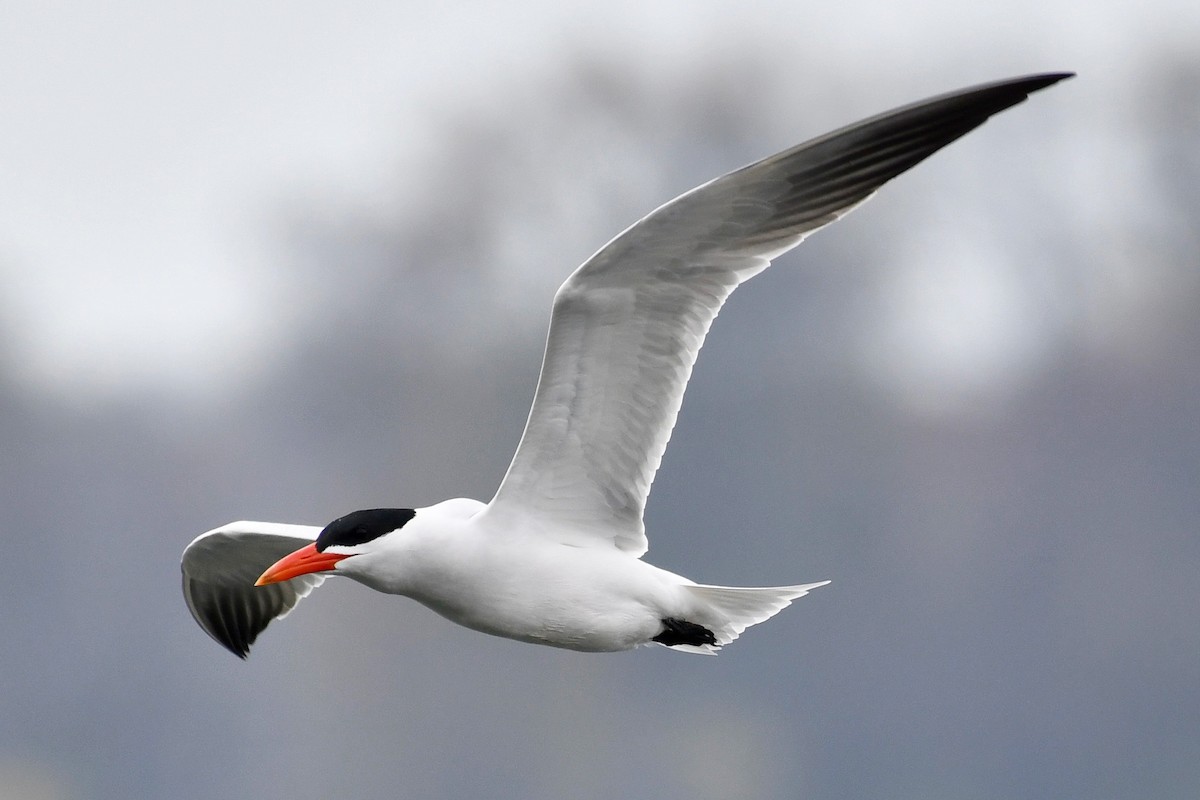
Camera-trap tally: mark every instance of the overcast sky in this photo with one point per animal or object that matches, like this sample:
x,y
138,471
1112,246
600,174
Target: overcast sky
x,y
147,151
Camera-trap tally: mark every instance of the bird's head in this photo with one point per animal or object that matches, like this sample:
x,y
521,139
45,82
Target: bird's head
x,y
357,533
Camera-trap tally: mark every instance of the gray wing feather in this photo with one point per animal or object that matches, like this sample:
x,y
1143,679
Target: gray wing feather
x,y
627,325
219,570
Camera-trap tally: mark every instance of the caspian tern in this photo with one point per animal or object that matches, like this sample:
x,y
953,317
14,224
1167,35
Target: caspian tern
x,y
555,557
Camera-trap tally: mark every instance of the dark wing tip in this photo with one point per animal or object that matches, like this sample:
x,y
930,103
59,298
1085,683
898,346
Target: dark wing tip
x,y
1012,90
1036,81
1009,92
1050,78
233,616
219,571
830,174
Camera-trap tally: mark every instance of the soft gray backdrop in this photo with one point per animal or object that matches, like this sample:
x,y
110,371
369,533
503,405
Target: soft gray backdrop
x,y
274,261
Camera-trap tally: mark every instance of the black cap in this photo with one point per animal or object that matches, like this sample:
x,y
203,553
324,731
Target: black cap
x,y
358,527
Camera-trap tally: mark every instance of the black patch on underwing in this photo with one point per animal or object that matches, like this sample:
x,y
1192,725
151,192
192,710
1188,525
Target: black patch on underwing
x,y
358,527
680,631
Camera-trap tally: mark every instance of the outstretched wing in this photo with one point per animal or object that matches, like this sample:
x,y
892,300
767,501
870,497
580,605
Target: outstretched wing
x,y
627,325
219,570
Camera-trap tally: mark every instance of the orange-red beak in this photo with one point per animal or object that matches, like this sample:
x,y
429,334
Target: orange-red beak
x,y
304,561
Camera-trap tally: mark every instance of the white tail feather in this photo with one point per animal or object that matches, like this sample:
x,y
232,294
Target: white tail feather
x,y
729,610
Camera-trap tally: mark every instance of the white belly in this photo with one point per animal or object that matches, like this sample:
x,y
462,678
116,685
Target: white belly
x,y
590,599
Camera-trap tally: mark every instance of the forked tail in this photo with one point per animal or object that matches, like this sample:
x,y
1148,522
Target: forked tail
x,y
729,610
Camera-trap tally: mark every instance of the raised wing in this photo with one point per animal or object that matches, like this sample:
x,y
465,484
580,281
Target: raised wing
x,y
627,325
219,570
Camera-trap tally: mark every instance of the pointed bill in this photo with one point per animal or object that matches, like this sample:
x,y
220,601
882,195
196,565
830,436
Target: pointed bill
x,y
304,561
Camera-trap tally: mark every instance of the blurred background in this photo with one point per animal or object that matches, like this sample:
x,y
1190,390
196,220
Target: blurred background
x,y
284,260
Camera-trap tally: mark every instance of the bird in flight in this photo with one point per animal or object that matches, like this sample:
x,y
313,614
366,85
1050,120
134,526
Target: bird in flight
x,y
556,557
